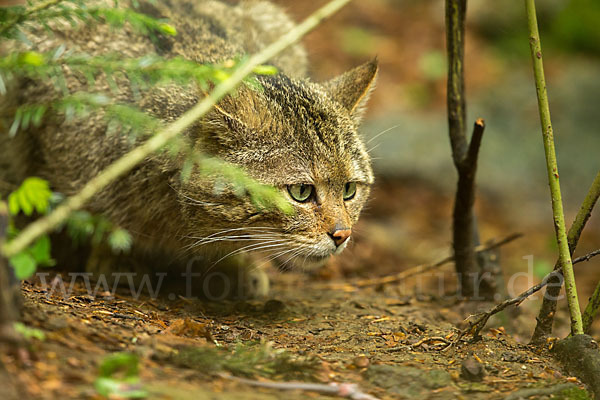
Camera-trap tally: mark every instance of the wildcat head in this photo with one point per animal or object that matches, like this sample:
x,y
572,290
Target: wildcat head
x,y
300,137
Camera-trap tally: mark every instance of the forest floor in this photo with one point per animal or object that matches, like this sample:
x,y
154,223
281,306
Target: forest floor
x,y
391,340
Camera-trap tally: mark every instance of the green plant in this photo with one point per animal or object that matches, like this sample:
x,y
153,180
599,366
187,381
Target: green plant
x,y
118,376
552,168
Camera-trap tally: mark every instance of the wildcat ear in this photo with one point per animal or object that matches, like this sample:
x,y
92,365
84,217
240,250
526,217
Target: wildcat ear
x,y
353,88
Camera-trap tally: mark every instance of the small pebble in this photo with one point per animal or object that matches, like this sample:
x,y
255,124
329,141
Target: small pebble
x,y
361,361
472,370
273,306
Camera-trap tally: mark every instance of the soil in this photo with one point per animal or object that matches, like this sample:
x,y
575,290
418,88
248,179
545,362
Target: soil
x,y
393,347
393,341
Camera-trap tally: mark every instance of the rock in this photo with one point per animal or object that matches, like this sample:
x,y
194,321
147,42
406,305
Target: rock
x,y
273,307
472,370
580,356
361,361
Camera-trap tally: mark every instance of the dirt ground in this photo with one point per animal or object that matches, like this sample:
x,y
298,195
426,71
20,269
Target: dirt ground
x,y
392,340
392,347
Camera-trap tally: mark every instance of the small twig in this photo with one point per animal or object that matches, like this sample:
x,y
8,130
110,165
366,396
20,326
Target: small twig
x,y
594,304
481,319
432,339
419,269
349,390
586,257
471,157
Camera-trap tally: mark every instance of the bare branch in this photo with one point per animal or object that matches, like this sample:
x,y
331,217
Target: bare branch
x,y
481,319
348,390
419,269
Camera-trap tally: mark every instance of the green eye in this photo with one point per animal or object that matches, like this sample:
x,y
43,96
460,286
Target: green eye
x,y
301,192
349,190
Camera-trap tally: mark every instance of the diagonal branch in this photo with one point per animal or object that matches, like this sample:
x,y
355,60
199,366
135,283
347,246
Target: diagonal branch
x,y
545,317
137,155
478,324
420,269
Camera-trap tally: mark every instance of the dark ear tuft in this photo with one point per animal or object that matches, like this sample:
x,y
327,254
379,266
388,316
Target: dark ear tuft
x,y
353,88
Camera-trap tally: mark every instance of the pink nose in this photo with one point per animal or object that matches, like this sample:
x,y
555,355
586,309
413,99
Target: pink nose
x,y
340,236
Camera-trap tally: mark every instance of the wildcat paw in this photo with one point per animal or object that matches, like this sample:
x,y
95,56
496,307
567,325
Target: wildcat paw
x,y
256,284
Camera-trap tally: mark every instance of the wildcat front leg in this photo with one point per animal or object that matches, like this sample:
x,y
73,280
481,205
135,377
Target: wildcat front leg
x,y
236,277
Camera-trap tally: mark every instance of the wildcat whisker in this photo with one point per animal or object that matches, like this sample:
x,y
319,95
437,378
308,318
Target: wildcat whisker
x,y
266,228
374,147
233,239
194,201
383,132
252,247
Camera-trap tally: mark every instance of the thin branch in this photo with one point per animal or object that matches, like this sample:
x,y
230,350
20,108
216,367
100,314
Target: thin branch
x,y
348,390
419,269
455,44
545,317
593,305
481,319
471,157
137,155
551,165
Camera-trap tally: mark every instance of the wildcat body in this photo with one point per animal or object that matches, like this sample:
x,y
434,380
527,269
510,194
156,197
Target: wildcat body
x,y
291,133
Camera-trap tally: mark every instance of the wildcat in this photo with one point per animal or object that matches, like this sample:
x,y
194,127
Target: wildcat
x,y
297,135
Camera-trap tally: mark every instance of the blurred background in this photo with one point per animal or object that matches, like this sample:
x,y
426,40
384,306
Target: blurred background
x,y
408,219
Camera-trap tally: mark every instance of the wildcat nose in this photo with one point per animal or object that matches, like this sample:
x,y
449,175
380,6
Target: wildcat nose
x,y
339,236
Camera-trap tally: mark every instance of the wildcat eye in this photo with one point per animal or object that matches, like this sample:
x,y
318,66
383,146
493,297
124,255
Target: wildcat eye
x,y
349,190
300,192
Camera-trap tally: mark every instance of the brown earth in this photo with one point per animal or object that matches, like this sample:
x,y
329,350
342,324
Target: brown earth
x,y
392,340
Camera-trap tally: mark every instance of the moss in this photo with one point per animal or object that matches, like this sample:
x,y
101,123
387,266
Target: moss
x,y
573,393
247,360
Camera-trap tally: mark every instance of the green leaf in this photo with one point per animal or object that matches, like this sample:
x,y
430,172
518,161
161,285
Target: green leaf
x,y
40,251
24,265
221,75
167,29
13,204
34,193
29,333
24,202
115,388
126,363
265,70
32,58
120,240
186,169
